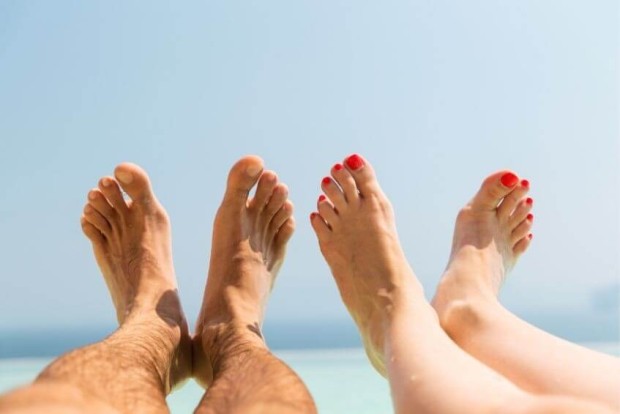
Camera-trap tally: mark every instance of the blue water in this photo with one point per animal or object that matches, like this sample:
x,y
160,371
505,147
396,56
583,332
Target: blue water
x,y
341,380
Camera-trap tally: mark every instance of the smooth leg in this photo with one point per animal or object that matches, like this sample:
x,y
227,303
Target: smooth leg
x,y
491,232
231,358
427,371
136,367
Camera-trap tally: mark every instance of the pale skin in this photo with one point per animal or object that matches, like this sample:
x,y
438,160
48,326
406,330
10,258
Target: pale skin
x,y
151,353
427,371
491,233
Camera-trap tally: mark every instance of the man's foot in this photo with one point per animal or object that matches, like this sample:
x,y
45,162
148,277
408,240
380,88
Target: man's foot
x,y
357,235
132,245
248,248
491,232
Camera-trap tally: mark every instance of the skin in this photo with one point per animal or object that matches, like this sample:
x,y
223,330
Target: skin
x,y
249,244
150,353
404,341
490,235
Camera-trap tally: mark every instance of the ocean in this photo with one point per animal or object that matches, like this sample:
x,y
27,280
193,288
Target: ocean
x,y
341,380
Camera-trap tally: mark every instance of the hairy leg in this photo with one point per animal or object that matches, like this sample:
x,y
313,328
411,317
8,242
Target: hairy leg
x,y
136,367
248,249
428,373
491,232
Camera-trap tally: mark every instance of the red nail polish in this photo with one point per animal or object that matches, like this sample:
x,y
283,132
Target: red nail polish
x,y
326,180
530,217
530,236
313,215
525,183
321,198
529,201
509,180
338,167
354,162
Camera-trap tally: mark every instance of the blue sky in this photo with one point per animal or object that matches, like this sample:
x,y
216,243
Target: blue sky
x,y
437,94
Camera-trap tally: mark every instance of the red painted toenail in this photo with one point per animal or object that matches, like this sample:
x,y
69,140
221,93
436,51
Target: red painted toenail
x,y
354,162
530,217
530,236
313,215
525,183
326,180
509,180
529,201
321,198
338,167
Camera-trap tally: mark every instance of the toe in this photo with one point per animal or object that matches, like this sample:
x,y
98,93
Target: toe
x,y
135,182
281,216
264,189
522,244
91,232
511,201
283,236
241,178
326,210
98,201
320,227
363,175
334,193
112,192
494,189
277,200
523,229
285,212
346,182
523,209
96,219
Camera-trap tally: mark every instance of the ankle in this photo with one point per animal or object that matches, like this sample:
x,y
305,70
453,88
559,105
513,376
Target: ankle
x,y
461,316
218,342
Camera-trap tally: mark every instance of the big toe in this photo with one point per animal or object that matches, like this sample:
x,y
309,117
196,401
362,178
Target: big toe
x,y
135,182
494,188
363,175
242,177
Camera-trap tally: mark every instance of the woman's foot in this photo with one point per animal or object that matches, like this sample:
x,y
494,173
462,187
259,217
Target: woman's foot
x,y
357,236
132,245
491,232
248,248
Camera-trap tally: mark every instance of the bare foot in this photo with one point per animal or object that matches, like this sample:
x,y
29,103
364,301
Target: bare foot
x,y
491,232
248,248
132,245
357,235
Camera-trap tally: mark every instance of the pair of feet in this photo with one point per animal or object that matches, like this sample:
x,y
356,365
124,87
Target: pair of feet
x,y
357,235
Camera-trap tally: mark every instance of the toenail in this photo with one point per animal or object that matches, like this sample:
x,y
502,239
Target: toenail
x,y
124,177
509,180
253,170
326,180
529,201
530,217
92,195
338,167
525,183
313,215
354,162
88,209
530,236
321,198
106,182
